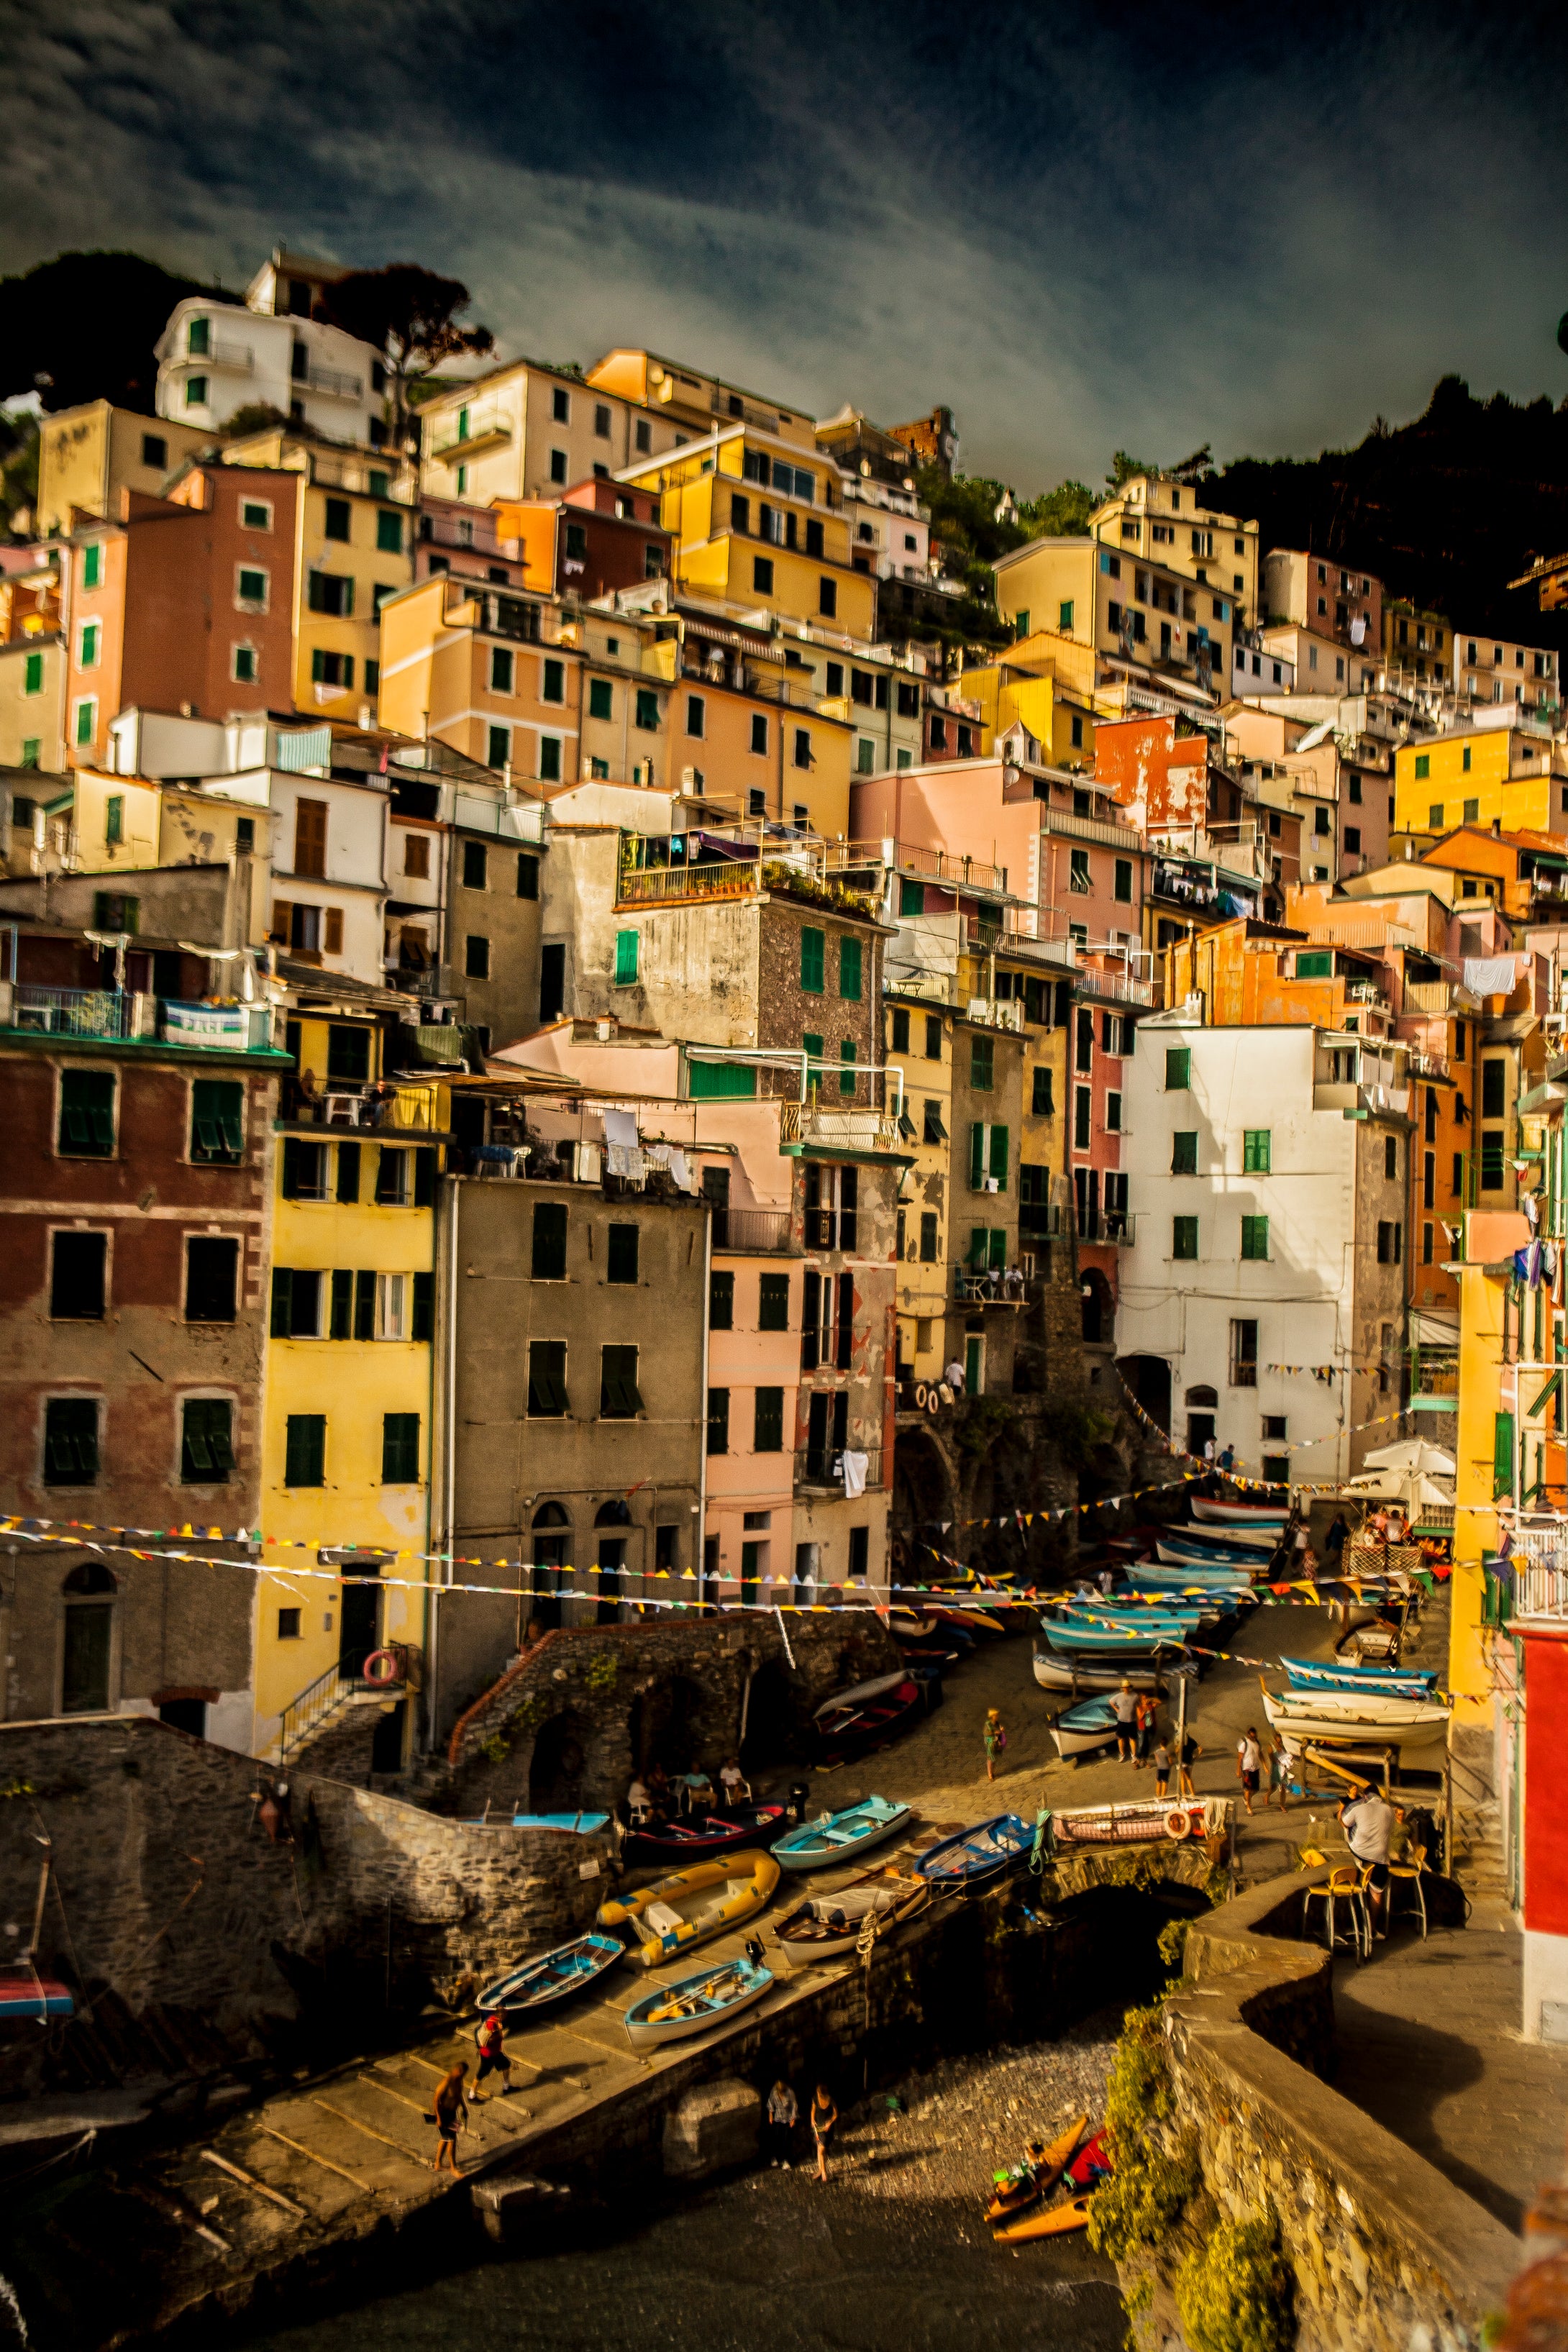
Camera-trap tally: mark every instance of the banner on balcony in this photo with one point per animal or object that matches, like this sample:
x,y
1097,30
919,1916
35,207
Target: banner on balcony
x,y
206,1025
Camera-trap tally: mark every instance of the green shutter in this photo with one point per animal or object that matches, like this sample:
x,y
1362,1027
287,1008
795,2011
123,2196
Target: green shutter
x,y
846,1066
282,1301
811,1044
976,1157
218,1118
305,1449
1502,1454
1255,1237
389,532
548,1263
812,961
342,1309
911,897
850,970
423,1177
997,1250
720,1082
626,959
422,1325
1183,1237
1178,1068
33,677
400,1449
1256,1147
1184,1152
86,1113
998,1159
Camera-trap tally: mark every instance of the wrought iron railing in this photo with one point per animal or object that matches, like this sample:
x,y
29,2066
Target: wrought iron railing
x,y
763,1233
317,1699
823,1465
72,1012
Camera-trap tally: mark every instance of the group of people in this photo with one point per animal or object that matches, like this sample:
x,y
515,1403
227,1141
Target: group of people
x,y
654,1798
1141,1743
783,2117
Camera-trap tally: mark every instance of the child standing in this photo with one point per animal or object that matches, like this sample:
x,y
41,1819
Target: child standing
x,y
996,1737
824,2115
1161,1763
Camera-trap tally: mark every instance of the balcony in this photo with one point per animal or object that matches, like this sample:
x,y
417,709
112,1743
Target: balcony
x,y
754,1233
486,431
992,1287
1068,828
1115,1228
929,864
333,383
1113,986
822,1467
409,1108
670,886
1439,997
809,1124
114,1014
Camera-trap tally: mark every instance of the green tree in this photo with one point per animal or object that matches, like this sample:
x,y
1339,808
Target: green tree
x,y
411,315
1061,513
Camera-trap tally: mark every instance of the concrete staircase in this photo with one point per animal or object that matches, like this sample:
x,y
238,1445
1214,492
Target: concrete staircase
x,y
1480,1862
338,1743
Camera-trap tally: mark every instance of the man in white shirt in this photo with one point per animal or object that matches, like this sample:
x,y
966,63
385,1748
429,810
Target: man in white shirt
x,y
954,1376
1368,1825
1124,1707
1248,1764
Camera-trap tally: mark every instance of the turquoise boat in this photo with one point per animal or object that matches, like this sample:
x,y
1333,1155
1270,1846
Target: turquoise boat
x,y
841,1837
693,2003
569,1969
975,1854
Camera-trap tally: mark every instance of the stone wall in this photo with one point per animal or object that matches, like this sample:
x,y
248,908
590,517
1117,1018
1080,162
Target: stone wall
x,y
167,1889
1388,2254
566,1725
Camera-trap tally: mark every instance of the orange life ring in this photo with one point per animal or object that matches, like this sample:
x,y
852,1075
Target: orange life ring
x,y
1178,1822
922,1393
381,1666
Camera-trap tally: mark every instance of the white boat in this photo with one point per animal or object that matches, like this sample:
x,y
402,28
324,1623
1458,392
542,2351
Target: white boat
x,y
1263,1540
1082,1674
860,1692
1238,1515
1375,1722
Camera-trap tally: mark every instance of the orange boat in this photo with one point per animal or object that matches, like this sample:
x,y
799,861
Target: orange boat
x,y
1016,2191
1050,2221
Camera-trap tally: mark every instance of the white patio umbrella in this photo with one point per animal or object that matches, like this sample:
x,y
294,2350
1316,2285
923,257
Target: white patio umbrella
x,y
1412,1454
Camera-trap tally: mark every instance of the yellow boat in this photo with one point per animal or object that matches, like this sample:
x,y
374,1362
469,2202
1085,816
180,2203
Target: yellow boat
x,y
690,1907
1038,2176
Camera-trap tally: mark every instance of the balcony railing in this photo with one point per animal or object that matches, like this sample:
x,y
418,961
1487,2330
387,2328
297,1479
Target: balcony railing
x,y
669,885
484,432
1117,985
988,1287
837,1131
823,1466
317,1699
335,383
754,1233
909,857
1116,1226
1540,1590
68,1011
371,1109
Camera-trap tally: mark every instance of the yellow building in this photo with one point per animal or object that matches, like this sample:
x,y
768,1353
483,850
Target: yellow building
x,y
353,548
87,455
1119,605
1032,686
349,1388
1152,515
1479,776
759,524
693,402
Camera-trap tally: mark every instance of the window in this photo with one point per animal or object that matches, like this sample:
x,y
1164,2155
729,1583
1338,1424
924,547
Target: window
x,y
155,452
501,669
1178,1068
1255,1237
1082,1114
618,1396
1389,1238
1256,1147
498,751
476,865
621,1254
1435,817
400,1449
195,391
304,1172
767,1430
206,1440
849,976
1064,616
1114,1114
1391,1158
392,1307
1422,766
547,1399
802,758
336,525
305,1449
1494,1086
1491,1159
388,531
773,1302
87,1114
718,1421
1183,1237
1123,889
244,666
76,1277
1243,1355
696,715
86,721
813,952
762,585
552,681
720,1302
71,1442
626,959
392,1179
1078,874
600,698
212,1279
929,1237
642,435
295,1311
549,1258
475,956
827,598
646,713
1184,1152
527,875
847,1059
1041,1104
87,657
550,759
33,674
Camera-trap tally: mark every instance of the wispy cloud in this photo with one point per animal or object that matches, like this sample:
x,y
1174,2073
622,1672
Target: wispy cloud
x,y
1083,231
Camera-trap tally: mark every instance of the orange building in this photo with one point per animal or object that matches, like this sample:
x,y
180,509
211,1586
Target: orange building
x,y
184,601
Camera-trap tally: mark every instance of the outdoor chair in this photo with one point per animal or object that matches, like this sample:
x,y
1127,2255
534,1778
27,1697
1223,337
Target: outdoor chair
x,y
1342,1885
1408,1875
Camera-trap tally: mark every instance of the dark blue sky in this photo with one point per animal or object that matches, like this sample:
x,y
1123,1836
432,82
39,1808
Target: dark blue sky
x,y
1084,229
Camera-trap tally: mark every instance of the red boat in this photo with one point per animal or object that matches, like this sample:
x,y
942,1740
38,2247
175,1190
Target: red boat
x,y
860,1717
700,1836
25,1994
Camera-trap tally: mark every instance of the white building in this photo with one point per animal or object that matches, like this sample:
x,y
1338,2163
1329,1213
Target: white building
x,y
1261,1301
526,431
1495,669
214,358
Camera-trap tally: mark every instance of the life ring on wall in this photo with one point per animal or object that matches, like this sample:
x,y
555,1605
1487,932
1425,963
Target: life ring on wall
x,y
381,1666
1178,1822
922,1396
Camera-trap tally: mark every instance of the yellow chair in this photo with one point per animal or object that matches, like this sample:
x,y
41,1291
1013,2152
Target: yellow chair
x,y
1343,1884
1409,1874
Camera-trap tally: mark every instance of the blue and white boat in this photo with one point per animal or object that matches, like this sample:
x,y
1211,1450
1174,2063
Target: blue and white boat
x,y
1191,1551
1158,1576
569,1969
841,1837
693,2003
576,1824
972,1854
1312,1674
1132,1640
1092,1671
1079,1729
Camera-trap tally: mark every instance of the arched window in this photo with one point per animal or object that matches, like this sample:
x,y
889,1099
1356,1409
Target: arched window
x,y
551,1553
612,1559
1203,1396
87,1646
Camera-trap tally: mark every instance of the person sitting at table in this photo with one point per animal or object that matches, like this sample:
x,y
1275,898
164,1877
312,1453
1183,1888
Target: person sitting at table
x,y
697,1791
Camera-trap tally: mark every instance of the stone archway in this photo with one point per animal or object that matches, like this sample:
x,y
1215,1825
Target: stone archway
x,y
1099,1305
558,1768
1148,1378
666,1726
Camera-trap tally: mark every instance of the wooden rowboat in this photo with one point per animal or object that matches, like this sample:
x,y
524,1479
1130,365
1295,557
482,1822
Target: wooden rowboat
x,y
827,1924
1238,1515
1088,1673
706,1837
569,1969
975,1854
841,1837
693,2003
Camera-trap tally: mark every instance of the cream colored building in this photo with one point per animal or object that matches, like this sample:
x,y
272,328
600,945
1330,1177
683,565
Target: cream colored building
x,y
87,456
1495,669
1167,521
525,431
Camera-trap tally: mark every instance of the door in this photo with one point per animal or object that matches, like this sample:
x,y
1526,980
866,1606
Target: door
x,y
551,981
360,1626
89,1643
752,1568
973,1366
386,1740
711,1568
612,1559
1200,1429
550,1561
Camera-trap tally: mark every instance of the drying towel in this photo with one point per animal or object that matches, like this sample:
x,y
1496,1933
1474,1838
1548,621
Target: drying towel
x,y
855,1468
1491,975
621,1126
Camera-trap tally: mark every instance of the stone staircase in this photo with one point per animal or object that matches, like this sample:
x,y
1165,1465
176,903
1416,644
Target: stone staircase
x,y
1478,1861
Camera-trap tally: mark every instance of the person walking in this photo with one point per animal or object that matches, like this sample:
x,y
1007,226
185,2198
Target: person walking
x,y
1161,1763
1334,1543
1124,1707
1248,1764
451,2108
1190,1751
783,2114
491,2039
824,2115
1279,1775
995,1738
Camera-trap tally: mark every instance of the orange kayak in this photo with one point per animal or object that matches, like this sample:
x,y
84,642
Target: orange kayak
x,y
1050,2221
1028,2187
